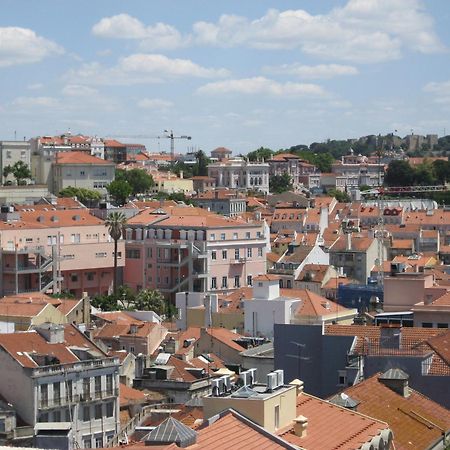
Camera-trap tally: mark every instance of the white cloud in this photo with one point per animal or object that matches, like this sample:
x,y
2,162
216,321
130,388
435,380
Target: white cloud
x,y
142,68
77,90
264,86
35,86
152,37
362,31
33,102
24,46
154,103
439,90
321,71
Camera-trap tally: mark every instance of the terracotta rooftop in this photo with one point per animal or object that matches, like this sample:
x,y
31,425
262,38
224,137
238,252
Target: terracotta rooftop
x,y
332,427
130,396
416,421
80,158
222,150
358,243
266,277
314,305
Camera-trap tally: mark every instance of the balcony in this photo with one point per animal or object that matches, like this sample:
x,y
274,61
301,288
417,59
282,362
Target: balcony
x,y
238,261
98,395
75,367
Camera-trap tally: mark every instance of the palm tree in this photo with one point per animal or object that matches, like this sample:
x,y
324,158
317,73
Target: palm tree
x,y
115,223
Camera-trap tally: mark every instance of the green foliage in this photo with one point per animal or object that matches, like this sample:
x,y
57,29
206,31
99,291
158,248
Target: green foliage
x,y
150,300
175,196
400,173
260,153
19,170
280,183
85,196
120,190
200,168
341,197
139,180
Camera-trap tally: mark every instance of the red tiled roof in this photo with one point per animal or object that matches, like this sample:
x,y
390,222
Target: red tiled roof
x,y
130,396
331,427
416,421
80,158
266,277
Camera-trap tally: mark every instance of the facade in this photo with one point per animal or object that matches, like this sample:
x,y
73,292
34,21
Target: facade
x,y
55,374
12,152
81,170
222,201
178,248
56,250
115,151
203,184
238,173
300,171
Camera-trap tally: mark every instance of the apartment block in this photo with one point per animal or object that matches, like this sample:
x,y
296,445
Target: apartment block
x,y
55,374
178,248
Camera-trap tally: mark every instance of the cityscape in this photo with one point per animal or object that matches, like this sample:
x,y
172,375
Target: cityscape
x,y
225,228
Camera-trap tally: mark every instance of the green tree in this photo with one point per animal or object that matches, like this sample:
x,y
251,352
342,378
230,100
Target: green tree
x,y
441,170
150,300
20,171
8,170
424,175
340,196
201,167
120,190
399,173
139,180
85,196
260,153
280,183
115,223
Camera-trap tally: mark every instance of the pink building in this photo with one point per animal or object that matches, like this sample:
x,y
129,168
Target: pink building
x,y
191,249
51,250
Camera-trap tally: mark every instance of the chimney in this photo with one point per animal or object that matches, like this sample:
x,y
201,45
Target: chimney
x,y
298,384
396,380
348,243
300,426
390,336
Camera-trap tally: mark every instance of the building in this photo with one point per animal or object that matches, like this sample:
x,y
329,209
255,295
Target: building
x,y
115,151
179,248
433,312
415,420
12,152
238,173
57,250
81,170
268,307
170,183
301,172
203,184
227,203
55,374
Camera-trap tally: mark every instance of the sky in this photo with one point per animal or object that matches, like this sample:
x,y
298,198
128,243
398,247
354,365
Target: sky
x,y
240,74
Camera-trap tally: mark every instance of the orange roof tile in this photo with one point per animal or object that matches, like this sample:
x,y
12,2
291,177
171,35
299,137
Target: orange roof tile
x,y
349,430
130,396
80,158
416,421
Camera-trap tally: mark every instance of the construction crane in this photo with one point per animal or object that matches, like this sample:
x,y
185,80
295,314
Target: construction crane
x,y
168,135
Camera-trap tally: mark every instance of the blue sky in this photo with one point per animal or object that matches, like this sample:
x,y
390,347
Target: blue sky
x,y
240,74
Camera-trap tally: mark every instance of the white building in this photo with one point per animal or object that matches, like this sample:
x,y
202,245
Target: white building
x,y
12,152
56,374
238,173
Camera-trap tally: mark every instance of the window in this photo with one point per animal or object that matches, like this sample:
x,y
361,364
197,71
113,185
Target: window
x,y
87,443
98,385
57,416
213,283
90,276
74,277
132,350
277,416
98,411
109,384
222,236
133,253
236,253
213,255
43,417
86,413
57,393
212,236
110,409
249,252
235,235
247,235
342,378
427,325
260,252
51,240
86,387
69,390
224,254
249,280
44,394
442,325
237,282
258,234
101,255
75,238
224,282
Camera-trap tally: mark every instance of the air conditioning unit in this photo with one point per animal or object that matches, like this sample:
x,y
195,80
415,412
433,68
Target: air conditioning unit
x,y
252,376
280,376
272,381
245,378
215,387
226,383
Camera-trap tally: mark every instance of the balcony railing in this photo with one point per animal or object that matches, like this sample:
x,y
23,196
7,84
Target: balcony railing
x,y
75,367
